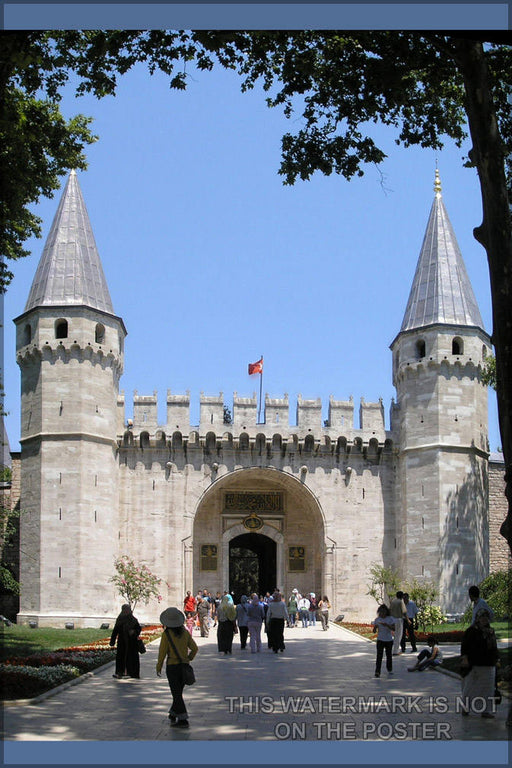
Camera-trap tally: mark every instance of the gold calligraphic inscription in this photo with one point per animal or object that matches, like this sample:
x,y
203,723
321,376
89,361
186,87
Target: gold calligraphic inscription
x,y
253,501
208,557
253,523
296,558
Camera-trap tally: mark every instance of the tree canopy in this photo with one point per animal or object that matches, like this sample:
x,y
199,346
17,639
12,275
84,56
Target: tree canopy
x,y
429,86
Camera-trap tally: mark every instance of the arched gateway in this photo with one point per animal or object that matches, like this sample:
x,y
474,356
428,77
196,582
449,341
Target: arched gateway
x,y
255,530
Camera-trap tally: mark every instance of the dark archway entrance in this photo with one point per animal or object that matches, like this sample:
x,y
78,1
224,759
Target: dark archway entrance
x,y
252,565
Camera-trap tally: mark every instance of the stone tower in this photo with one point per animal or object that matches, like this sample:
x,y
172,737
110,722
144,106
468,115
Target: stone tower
x,y
442,529
70,350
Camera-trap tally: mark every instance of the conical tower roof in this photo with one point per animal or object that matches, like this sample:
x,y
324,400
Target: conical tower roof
x,y
441,291
69,271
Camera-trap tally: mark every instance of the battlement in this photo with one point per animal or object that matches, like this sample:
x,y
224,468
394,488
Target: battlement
x,y
218,417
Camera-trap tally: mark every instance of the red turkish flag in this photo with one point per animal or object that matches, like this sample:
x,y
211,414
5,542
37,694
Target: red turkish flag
x,y
256,367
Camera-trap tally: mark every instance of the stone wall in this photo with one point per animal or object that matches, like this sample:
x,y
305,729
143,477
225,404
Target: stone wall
x,y
499,551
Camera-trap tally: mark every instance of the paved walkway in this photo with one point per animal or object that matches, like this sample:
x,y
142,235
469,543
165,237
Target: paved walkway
x,y
321,688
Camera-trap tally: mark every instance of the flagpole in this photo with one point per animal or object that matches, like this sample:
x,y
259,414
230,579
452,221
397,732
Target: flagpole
x,y
261,384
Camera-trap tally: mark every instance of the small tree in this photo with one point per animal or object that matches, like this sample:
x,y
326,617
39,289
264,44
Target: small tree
x,y
423,593
135,583
496,590
383,582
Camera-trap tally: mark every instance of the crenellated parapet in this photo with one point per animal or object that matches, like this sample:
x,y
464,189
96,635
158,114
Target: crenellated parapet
x,y
222,427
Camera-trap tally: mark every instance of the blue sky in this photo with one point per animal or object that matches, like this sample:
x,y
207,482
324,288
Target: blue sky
x,y
212,262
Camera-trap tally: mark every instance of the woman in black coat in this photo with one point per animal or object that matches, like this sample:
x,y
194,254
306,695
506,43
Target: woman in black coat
x,y
127,630
479,657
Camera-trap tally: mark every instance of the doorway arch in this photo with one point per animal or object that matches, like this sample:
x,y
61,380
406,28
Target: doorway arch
x,y
276,506
252,565
267,545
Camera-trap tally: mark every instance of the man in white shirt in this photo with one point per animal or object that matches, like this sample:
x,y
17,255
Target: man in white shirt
x,y
303,605
478,603
398,611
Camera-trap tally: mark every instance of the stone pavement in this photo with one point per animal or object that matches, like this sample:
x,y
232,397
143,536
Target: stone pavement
x,y
321,688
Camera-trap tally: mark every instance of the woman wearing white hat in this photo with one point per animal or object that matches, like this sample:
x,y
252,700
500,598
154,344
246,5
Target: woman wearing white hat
x,y
177,646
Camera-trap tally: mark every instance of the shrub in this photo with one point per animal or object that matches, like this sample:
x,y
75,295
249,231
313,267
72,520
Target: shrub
x,y
431,615
27,681
496,589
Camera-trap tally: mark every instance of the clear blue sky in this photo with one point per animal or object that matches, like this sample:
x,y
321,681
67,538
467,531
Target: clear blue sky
x,y
212,262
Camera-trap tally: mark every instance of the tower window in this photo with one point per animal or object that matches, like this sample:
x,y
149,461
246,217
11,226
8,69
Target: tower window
x,y
99,335
420,349
27,334
61,329
457,347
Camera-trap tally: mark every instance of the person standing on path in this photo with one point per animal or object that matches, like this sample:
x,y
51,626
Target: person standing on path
x,y
203,614
189,604
177,646
313,607
126,630
304,611
479,657
255,618
323,608
276,617
292,609
241,620
384,625
409,627
478,604
226,624
398,612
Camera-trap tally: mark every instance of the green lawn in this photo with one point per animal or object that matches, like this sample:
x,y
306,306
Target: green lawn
x,y
18,640
502,628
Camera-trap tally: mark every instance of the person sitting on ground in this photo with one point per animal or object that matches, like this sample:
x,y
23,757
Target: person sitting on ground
x,y
428,657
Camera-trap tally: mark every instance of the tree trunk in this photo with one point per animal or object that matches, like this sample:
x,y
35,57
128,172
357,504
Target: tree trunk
x,y
495,234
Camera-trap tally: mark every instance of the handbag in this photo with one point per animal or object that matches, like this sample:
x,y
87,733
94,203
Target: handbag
x,y
140,645
187,670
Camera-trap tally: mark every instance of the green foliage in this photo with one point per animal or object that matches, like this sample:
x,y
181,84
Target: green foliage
x,y
496,590
489,372
135,583
429,616
342,82
384,582
5,474
423,593
8,528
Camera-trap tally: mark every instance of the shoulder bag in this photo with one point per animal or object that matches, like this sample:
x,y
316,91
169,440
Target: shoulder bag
x,y
140,645
187,670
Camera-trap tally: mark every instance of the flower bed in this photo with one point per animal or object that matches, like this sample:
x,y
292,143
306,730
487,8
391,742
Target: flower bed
x,y
366,630
26,677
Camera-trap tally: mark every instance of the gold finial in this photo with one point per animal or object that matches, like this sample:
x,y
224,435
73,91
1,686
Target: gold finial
x,y
437,183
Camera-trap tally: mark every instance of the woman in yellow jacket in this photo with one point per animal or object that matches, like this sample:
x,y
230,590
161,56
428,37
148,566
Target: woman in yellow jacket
x,y
173,620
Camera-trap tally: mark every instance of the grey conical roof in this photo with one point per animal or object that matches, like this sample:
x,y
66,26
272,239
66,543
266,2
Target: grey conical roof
x,y
69,271
441,291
